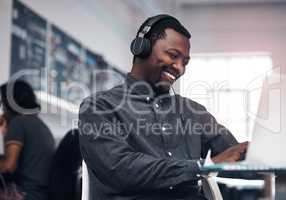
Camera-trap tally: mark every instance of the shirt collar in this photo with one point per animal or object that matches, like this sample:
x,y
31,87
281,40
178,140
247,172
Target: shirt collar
x,y
141,87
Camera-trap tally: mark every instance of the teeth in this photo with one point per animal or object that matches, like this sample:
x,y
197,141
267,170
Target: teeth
x,y
170,75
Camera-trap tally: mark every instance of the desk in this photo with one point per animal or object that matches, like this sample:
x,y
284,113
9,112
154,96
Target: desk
x,y
267,174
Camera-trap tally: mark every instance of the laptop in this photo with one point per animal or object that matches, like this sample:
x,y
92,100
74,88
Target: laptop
x,y
1,134
267,149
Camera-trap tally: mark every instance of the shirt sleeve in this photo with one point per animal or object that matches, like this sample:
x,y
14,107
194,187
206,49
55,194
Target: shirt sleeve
x,y
215,136
117,164
15,132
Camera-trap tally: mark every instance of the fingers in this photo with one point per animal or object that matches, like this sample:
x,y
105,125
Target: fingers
x,y
235,156
245,144
244,147
241,147
231,160
232,154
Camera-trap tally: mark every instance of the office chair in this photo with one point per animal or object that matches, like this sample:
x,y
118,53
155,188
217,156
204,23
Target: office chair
x,y
85,182
65,178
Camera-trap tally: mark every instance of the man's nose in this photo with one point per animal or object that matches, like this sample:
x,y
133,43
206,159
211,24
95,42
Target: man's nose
x,y
179,67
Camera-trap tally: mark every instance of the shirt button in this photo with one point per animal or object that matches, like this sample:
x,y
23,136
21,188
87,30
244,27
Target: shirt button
x,y
171,187
169,153
147,99
163,128
157,105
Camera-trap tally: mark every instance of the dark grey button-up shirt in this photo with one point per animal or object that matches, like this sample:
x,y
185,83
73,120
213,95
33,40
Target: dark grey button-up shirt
x,y
139,145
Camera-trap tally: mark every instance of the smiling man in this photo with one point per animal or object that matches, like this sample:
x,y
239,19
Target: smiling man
x,y
141,142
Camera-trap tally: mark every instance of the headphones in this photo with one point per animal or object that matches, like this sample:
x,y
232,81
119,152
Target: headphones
x,y
141,46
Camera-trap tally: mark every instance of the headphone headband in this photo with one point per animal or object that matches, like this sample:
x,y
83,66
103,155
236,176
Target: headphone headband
x,y
151,22
141,46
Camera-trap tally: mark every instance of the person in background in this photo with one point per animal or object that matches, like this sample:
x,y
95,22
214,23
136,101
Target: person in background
x,y
29,144
65,179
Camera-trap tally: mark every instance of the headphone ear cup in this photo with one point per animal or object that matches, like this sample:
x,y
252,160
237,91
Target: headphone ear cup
x,y
141,47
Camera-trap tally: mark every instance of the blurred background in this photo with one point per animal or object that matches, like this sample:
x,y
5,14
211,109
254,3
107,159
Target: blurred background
x,y
68,49
234,43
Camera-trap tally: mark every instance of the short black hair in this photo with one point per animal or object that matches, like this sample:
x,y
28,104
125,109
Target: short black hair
x,y
21,93
158,30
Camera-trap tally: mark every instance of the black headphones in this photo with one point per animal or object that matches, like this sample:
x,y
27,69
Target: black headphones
x,y
141,46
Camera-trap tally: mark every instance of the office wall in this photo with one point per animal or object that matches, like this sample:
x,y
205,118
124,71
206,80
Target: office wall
x,y
238,28
74,18
89,27
5,27
216,28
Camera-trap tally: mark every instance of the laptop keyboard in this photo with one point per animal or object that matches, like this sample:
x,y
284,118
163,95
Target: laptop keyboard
x,y
241,167
245,166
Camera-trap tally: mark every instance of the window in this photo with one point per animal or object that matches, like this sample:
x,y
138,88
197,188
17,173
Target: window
x,y
221,83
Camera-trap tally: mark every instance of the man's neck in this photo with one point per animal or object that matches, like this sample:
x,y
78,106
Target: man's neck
x,y
137,72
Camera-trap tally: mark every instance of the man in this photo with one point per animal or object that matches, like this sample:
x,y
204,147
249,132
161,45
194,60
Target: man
x,y
141,142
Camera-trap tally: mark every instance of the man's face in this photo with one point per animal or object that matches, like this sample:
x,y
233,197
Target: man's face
x,y
168,60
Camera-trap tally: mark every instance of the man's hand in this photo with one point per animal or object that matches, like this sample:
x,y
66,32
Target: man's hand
x,y
232,154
